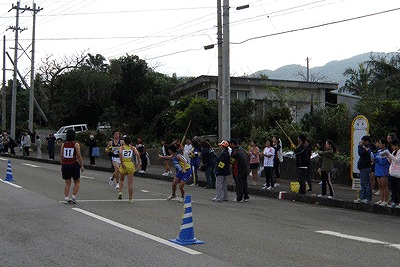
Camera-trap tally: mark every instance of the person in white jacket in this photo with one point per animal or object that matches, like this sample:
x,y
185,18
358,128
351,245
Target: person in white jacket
x,y
394,171
26,143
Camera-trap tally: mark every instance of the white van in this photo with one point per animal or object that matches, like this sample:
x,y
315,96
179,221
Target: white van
x,y
61,134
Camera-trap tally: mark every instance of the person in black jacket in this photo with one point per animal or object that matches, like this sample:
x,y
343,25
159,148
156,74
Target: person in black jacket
x,y
302,153
222,171
240,169
364,165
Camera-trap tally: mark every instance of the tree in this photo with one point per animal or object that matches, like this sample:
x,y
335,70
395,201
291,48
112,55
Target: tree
x,y
357,81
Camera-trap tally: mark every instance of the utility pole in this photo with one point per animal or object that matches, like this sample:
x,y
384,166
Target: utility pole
x,y
220,87
3,90
226,79
17,29
32,90
308,69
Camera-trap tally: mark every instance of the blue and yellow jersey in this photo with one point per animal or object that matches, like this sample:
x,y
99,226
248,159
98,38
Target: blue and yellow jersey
x,y
181,163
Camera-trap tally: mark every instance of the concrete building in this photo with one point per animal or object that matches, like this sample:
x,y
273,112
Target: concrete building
x,y
299,96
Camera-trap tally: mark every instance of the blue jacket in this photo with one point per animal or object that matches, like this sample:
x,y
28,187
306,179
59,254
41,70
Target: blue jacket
x,y
381,164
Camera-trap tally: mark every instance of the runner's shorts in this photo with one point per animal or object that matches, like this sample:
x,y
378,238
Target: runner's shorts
x,y
184,176
129,168
71,171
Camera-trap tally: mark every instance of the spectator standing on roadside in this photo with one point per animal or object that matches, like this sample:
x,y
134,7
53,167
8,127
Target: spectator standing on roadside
x,y
364,165
194,156
269,154
143,155
240,170
254,154
326,168
382,172
51,143
164,153
208,161
187,148
91,143
391,180
71,166
394,158
302,162
222,171
26,143
38,147
278,158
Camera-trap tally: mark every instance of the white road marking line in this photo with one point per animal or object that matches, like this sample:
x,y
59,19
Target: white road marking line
x,y
359,238
3,159
7,182
144,191
87,177
139,232
30,165
119,200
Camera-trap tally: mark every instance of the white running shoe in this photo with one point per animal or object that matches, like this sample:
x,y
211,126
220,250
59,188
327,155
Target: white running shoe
x,y
111,181
378,202
165,174
141,171
269,188
321,195
358,201
330,197
365,201
171,197
276,185
117,186
383,204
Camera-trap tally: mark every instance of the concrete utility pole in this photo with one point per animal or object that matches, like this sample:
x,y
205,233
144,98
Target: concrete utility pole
x,y
32,90
17,29
3,90
308,69
220,87
226,79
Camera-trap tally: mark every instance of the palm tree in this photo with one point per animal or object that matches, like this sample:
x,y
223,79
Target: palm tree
x,y
358,80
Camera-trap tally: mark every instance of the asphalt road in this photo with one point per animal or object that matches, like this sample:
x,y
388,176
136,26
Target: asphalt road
x,y
38,229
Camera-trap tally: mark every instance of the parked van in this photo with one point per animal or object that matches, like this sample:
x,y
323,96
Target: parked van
x,y
61,134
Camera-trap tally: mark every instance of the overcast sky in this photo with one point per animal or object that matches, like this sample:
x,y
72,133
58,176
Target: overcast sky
x,y
170,35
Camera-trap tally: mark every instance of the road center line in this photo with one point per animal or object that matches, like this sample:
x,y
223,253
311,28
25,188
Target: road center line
x,y
119,200
15,185
138,232
358,238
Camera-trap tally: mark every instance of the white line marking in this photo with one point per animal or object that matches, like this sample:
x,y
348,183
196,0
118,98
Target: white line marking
x,y
119,200
7,182
30,165
359,238
141,233
87,177
144,191
3,159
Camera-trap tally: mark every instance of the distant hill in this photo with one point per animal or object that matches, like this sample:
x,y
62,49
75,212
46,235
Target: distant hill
x,y
330,72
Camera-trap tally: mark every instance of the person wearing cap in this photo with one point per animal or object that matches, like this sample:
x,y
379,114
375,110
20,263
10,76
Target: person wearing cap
x,y
222,171
240,170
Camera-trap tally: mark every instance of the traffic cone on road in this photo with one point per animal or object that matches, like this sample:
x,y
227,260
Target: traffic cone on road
x,y
9,175
186,236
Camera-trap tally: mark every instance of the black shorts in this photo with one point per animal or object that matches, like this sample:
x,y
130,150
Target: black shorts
x,y
71,171
254,166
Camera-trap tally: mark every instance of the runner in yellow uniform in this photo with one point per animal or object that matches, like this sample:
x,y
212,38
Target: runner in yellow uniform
x,y
126,154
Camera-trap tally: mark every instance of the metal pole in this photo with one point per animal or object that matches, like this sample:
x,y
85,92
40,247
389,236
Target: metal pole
x,y
220,87
32,89
226,83
14,87
3,90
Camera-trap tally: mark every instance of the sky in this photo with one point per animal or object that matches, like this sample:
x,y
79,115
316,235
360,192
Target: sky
x,y
171,35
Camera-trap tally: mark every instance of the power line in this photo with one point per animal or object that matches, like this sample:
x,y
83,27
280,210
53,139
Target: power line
x,y
316,26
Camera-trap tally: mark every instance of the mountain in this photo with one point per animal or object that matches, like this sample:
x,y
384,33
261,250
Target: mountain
x,y
331,72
